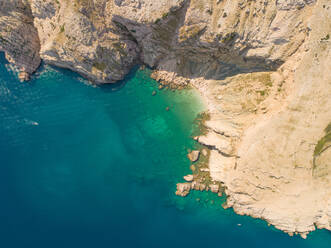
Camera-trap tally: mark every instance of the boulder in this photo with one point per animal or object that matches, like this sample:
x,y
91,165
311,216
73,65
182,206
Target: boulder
x,y
188,178
202,187
214,188
23,76
194,156
195,185
183,189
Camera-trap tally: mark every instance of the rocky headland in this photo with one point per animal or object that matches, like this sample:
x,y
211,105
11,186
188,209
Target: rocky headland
x,y
262,67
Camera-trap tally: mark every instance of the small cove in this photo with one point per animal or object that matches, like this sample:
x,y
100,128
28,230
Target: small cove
x,y
85,166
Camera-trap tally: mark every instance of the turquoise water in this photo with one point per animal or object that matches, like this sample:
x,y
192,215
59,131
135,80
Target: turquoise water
x,y
84,166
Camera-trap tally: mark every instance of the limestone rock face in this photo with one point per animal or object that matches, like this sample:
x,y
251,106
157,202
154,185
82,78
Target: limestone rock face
x,y
275,121
81,36
103,39
18,36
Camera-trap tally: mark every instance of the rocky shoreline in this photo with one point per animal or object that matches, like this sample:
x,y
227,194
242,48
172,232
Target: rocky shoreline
x,y
262,68
200,179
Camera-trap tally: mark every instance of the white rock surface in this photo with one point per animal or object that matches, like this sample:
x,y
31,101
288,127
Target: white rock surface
x,y
188,178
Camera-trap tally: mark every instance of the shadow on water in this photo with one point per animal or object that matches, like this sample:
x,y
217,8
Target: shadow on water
x,y
111,87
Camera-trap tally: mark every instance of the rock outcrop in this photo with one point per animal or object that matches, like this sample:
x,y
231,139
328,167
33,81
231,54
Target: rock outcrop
x,y
103,39
261,66
81,36
193,156
188,178
18,36
276,124
183,189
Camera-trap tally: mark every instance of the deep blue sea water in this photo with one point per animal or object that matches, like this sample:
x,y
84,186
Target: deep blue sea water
x,y
84,166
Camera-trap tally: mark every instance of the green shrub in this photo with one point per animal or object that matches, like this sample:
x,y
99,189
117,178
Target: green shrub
x,y
62,29
100,66
323,141
327,37
165,15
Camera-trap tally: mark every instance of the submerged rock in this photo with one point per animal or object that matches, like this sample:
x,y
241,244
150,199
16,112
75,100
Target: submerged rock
x,y
194,156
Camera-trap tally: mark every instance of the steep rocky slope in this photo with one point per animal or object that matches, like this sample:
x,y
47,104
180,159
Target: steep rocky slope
x,y
275,172
262,67
18,36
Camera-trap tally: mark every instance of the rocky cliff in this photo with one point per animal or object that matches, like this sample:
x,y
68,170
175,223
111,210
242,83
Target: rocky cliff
x,y
18,35
262,67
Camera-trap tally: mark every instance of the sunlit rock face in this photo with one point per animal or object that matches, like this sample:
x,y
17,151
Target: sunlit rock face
x,y
103,39
18,35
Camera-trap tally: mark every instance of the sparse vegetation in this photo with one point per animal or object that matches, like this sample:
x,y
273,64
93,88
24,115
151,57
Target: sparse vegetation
x,y
100,66
328,128
198,4
327,37
62,28
119,48
199,123
323,141
2,39
203,162
262,92
186,33
165,15
323,144
229,37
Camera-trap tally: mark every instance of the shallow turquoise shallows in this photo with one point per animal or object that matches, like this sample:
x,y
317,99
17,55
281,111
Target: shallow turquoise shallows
x,y
95,167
